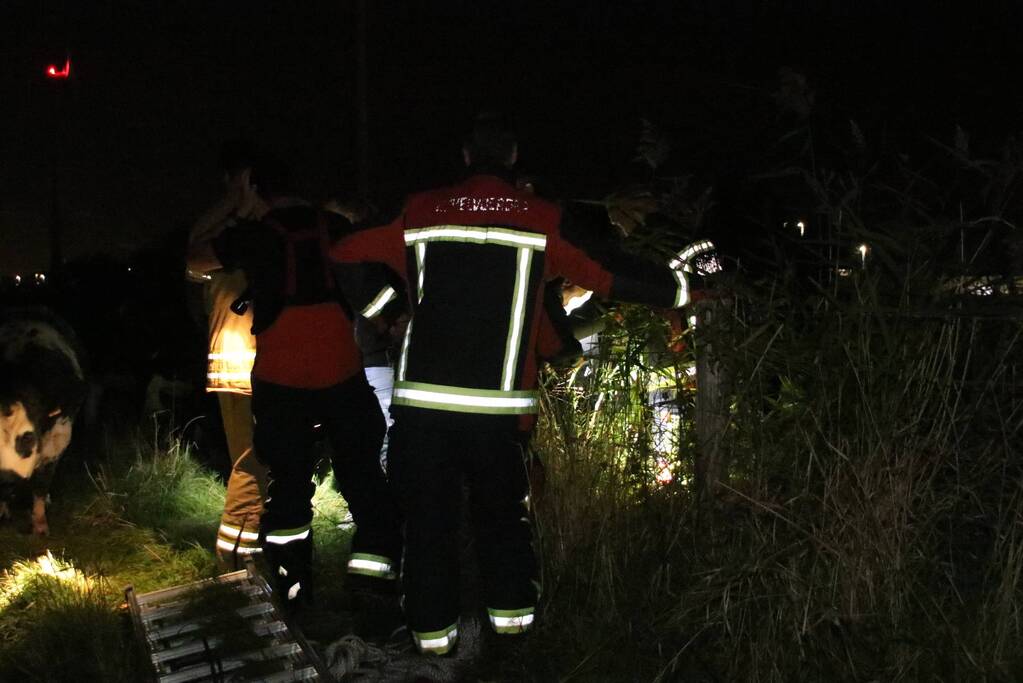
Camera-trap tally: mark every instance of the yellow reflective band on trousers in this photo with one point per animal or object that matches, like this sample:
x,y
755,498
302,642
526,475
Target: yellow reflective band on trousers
x,y
231,547
284,536
377,566
511,620
436,642
464,399
234,540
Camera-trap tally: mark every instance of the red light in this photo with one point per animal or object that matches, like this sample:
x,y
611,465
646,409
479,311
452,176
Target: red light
x,y
52,72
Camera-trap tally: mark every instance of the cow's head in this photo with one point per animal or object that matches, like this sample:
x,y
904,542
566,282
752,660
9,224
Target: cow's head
x,y
19,440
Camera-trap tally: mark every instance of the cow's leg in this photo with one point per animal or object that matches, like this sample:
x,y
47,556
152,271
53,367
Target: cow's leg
x,y
40,483
5,512
40,527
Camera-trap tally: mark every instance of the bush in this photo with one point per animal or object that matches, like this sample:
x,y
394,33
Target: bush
x,y
865,525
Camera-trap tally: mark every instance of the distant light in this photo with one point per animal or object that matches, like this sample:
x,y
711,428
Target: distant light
x,y
863,251
664,474
843,272
40,278
60,74
129,269
802,228
17,280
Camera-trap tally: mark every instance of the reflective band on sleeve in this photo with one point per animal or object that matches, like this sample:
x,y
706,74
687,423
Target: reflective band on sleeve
x,y
371,565
682,295
282,536
437,642
689,253
518,314
511,620
477,235
231,532
240,549
464,400
383,297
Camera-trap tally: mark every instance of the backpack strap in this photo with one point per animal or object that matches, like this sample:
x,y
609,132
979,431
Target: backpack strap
x,y
290,275
290,237
321,226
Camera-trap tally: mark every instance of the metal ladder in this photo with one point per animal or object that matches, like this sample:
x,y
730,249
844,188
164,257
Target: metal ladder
x,y
185,647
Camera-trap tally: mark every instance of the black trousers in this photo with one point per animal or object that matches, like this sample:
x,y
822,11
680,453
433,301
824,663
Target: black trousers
x,y
288,421
428,466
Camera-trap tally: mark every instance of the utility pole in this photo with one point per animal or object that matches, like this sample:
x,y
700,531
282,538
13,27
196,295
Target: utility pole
x,y
361,98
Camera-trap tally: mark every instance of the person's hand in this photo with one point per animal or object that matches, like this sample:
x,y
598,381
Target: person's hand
x,y
250,205
629,210
397,329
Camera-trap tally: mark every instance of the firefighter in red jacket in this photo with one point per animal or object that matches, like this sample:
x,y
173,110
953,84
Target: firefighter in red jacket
x,y
307,376
475,257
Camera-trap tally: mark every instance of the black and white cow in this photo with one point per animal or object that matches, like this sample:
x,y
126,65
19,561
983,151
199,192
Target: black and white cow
x,y
41,389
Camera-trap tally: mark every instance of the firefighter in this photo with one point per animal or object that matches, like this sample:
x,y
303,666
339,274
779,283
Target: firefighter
x,y
307,375
474,257
232,350
382,317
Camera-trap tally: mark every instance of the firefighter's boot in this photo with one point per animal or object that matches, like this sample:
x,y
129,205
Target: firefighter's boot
x,y
290,565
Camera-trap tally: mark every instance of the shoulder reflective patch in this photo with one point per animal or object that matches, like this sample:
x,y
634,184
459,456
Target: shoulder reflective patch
x,y
477,235
383,297
463,399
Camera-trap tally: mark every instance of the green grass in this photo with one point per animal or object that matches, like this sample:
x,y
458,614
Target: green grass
x,y
146,517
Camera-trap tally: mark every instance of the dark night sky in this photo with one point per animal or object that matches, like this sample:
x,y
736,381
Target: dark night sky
x,y
158,85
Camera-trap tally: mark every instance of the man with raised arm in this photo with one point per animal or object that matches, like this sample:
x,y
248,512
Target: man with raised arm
x,y
475,257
